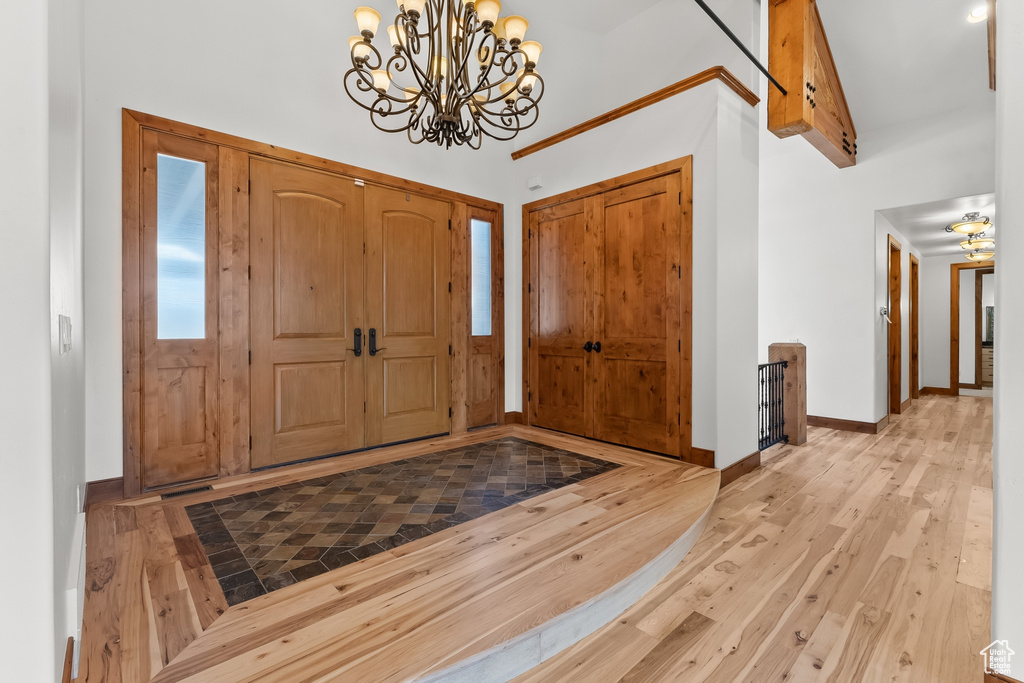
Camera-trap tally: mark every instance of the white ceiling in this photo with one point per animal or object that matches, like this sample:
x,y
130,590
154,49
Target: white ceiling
x,y
923,224
902,60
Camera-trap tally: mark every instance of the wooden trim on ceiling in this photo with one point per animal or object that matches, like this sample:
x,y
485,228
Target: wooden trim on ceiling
x,y
262,149
738,469
715,72
992,44
954,318
848,425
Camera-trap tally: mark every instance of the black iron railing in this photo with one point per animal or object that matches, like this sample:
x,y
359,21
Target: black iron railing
x,y
772,424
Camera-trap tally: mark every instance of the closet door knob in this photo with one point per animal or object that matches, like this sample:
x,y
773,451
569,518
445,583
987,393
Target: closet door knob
x,y
588,347
597,347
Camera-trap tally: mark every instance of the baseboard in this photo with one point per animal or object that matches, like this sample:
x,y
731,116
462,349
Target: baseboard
x,y
848,425
514,418
738,469
970,385
702,457
104,491
999,678
939,391
905,406
69,657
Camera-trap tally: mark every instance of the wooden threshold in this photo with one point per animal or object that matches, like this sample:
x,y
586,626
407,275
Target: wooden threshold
x,y
460,604
716,72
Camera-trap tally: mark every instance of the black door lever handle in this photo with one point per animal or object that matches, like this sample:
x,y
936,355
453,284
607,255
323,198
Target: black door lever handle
x,y
588,347
373,343
357,337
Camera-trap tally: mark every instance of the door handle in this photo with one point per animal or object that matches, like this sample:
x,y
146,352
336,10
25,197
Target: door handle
x,y
597,347
588,347
373,343
357,337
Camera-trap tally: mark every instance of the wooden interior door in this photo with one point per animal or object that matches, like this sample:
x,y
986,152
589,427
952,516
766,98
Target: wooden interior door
x,y
486,287
895,327
179,310
915,329
560,289
637,309
307,304
408,282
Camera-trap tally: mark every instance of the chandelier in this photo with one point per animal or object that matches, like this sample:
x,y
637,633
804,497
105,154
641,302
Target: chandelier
x,y
974,225
457,72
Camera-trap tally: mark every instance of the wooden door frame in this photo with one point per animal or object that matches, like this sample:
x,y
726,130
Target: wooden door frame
x,y
233,328
915,330
954,321
684,166
895,338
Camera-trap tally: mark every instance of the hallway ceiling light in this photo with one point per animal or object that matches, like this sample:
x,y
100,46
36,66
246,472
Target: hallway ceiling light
x,y
972,224
458,72
978,15
980,256
978,244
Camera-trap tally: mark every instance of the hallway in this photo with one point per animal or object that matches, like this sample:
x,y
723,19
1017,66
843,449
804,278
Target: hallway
x,y
853,558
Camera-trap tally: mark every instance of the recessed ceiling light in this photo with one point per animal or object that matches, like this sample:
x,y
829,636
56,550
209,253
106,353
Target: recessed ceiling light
x,y
980,14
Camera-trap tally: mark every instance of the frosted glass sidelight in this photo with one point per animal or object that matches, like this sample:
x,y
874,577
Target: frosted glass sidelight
x,y
480,271
180,248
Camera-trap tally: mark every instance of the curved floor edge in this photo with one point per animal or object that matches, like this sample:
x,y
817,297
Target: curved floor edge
x,y
527,650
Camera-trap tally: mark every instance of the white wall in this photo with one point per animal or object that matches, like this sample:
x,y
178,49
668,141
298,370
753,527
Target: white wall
x,y
718,129
27,632
883,228
66,298
1008,464
935,310
818,250
252,68
967,326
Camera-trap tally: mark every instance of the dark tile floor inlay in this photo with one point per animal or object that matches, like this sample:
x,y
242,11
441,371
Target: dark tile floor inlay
x,y
264,540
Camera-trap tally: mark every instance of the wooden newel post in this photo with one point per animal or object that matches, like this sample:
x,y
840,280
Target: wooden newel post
x,y
794,399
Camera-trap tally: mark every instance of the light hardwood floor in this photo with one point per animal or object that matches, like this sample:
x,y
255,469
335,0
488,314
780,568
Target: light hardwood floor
x,y
852,558
530,576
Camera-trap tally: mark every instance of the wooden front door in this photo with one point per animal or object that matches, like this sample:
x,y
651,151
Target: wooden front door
x,y
407,311
637,302
179,287
561,320
306,307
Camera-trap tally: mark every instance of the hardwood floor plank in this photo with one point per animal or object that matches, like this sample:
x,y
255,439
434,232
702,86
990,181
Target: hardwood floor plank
x,y
856,557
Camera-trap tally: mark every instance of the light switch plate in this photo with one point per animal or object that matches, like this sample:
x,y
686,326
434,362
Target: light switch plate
x,y
64,323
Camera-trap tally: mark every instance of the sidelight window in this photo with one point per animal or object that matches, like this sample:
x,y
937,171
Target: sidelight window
x,y
181,248
480,281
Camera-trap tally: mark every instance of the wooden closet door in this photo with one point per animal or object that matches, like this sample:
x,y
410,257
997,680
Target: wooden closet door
x,y
408,265
637,308
306,301
179,353
560,286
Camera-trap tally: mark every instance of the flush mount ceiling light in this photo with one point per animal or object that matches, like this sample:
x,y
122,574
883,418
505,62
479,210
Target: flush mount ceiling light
x,y
980,256
978,244
458,72
978,15
972,224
